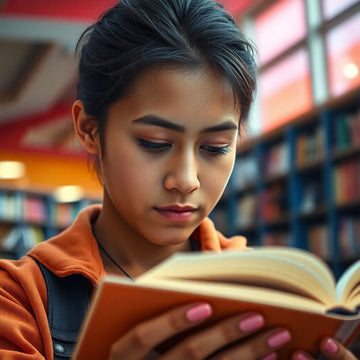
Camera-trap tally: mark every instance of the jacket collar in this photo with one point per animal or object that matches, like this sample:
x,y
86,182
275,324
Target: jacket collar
x,y
81,255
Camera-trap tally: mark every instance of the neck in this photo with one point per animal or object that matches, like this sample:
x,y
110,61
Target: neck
x,y
129,250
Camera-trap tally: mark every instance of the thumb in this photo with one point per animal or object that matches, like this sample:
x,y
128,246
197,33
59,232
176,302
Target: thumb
x,y
333,350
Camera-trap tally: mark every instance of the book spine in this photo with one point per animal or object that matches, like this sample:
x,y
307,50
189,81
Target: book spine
x,y
318,241
34,209
349,237
347,181
276,160
246,210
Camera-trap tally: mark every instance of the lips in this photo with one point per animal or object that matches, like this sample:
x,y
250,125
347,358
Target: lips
x,y
176,213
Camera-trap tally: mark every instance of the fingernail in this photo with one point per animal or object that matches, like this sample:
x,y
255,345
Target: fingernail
x,y
199,312
272,356
330,346
300,356
251,323
279,338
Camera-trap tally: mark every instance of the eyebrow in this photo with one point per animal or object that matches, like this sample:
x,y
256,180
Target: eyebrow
x,y
155,120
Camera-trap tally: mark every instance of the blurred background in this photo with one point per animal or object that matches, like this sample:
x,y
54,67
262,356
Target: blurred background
x,y
308,53
297,175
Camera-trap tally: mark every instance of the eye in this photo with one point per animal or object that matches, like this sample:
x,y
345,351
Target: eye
x,y
216,150
152,146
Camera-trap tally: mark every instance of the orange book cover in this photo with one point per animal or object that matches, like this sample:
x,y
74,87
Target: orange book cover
x,y
266,285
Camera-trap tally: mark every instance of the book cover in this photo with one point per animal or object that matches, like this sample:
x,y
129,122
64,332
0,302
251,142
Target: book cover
x,y
290,287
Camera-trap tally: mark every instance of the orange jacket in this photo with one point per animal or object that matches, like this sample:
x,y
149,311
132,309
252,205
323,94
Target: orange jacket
x,y
24,330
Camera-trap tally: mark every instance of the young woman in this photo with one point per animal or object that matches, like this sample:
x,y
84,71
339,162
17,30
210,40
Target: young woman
x,y
164,86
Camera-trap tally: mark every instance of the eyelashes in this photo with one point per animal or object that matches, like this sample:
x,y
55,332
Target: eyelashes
x,y
216,150
154,147
159,147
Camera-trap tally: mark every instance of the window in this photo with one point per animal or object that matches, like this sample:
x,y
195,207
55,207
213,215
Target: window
x,y
309,51
343,51
332,8
280,85
279,27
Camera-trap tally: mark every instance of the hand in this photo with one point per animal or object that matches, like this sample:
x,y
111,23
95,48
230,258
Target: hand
x,y
331,350
242,332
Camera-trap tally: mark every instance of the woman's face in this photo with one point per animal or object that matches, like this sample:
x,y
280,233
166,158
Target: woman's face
x,y
169,149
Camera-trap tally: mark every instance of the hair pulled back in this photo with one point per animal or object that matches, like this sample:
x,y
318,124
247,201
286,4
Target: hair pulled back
x,y
137,34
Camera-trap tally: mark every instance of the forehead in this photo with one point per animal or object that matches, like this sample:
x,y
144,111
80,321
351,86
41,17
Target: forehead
x,y
193,89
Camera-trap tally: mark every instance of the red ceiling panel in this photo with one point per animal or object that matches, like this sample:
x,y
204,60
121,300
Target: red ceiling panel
x,y
236,7
84,10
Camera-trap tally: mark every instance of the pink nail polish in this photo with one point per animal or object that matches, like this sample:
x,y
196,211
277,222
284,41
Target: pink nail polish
x,y
279,338
300,356
251,323
271,356
199,312
330,346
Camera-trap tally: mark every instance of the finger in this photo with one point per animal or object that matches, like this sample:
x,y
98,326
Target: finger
x,y
330,348
207,341
211,340
142,339
301,355
262,345
333,350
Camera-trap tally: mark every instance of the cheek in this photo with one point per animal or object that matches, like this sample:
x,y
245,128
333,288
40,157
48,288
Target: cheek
x,y
128,175
130,172
218,177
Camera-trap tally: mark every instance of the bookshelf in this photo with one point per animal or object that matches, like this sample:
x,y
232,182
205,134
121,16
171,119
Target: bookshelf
x,y
299,185
28,217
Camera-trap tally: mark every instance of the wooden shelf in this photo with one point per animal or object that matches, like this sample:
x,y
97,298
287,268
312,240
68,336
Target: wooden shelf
x,y
310,166
349,206
315,214
343,154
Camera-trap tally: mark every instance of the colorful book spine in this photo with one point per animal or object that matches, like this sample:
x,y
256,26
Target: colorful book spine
x,y
34,209
11,206
310,146
347,181
276,161
349,237
319,241
346,130
62,214
273,202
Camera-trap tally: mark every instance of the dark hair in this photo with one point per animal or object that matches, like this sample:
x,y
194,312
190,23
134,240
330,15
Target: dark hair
x,y
137,34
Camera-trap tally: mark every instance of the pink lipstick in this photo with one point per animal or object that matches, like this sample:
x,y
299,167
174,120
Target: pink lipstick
x,y
176,213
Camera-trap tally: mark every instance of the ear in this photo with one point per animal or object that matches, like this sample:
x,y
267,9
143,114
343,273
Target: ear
x,y
85,128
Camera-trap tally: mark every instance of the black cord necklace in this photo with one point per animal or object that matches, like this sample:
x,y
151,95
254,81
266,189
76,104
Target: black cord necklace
x,y
194,247
112,259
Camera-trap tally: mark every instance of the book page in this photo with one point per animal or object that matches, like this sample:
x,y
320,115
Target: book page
x,y
252,294
283,269
348,287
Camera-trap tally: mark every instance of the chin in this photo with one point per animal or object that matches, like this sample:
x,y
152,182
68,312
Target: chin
x,y
171,237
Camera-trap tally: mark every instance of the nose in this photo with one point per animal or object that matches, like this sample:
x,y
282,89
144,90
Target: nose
x,y
182,174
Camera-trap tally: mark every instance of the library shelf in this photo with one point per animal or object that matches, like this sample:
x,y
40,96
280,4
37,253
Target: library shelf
x,y
29,216
301,182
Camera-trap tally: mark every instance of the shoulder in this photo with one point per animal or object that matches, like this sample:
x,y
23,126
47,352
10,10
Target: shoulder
x,y
74,250
23,300
22,282
21,275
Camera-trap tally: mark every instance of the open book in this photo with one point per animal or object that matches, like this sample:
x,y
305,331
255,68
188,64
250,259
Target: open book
x,y
290,287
